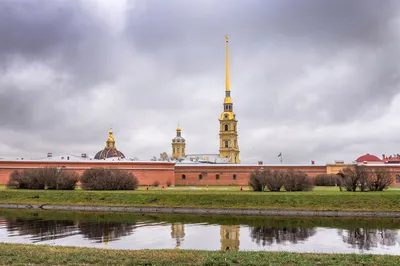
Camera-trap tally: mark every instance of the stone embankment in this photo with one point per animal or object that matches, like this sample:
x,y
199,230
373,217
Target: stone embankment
x,y
169,210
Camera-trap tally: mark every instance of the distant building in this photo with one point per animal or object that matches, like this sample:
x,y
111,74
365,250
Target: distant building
x,y
178,145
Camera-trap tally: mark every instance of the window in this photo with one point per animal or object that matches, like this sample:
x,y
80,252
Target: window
x,y
226,127
217,176
234,127
226,144
200,176
397,179
183,177
234,176
178,149
226,116
235,143
183,150
173,150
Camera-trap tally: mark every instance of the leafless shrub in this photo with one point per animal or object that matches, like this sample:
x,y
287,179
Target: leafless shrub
x,y
273,180
355,176
296,181
257,180
379,180
108,179
42,178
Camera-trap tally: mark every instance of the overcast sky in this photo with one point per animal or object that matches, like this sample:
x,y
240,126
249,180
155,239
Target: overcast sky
x,y
317,80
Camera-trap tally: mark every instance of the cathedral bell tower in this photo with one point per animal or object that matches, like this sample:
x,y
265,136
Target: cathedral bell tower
x,y
228,136
178,145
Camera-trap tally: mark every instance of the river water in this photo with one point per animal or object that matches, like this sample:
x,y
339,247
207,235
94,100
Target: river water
x,y
148,231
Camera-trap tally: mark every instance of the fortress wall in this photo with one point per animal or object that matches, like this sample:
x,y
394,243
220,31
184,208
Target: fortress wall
x,y
226,173
146,172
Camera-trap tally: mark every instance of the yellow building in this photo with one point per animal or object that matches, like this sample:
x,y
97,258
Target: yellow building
x,y
228,136
230,235
178,145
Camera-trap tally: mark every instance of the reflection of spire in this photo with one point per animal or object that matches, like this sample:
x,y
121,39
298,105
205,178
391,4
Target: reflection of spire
x,y
178,233
106,239
230,235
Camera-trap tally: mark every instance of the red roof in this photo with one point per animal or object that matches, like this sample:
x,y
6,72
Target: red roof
x,y
368,158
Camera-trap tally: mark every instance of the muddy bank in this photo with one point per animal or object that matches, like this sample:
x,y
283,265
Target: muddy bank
x,y
379,214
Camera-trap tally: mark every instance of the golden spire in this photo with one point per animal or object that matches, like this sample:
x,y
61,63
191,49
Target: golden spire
x,y
110,140
228,85
227,81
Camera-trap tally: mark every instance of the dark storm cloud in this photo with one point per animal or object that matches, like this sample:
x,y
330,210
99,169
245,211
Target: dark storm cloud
x,y
318,33
64,34
301,71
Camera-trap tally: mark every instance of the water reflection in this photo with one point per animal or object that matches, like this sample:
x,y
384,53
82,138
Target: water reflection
x,y
140,231
40,230
178,233
230,237
268,236
366,239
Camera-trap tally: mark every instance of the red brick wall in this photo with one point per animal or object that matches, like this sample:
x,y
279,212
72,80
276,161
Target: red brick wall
x,y
146,172
226,173
149,172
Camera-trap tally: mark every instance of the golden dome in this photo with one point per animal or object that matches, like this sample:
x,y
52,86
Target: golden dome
x,y
228,100
227,115
178,128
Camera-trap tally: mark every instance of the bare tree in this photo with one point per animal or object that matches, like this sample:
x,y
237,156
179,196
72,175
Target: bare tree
x,y
379,180
296,181
273,180
355,176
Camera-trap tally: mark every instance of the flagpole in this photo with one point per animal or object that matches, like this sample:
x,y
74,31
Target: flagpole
x,y
281,158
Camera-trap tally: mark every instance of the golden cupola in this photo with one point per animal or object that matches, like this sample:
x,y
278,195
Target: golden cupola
x,y
110,150
178,144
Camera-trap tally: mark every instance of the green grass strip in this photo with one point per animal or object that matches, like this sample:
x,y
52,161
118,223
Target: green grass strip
x,y
16,254
313,200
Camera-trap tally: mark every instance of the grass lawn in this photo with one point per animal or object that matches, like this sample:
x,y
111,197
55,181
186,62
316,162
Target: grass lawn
x,y
322,198
15,254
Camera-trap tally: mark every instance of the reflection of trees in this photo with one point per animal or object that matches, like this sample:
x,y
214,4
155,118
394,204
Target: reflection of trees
x,y
267,235
41,230
365,239
104,232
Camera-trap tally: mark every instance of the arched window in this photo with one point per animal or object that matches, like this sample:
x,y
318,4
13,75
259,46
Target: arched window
x,y
173,150
234,176
183,150
226,127
226,144
217,176
397,179
183,177
200,176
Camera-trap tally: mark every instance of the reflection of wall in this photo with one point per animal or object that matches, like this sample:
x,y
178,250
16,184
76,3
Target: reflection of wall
x,y
230,235
268,236
178,233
